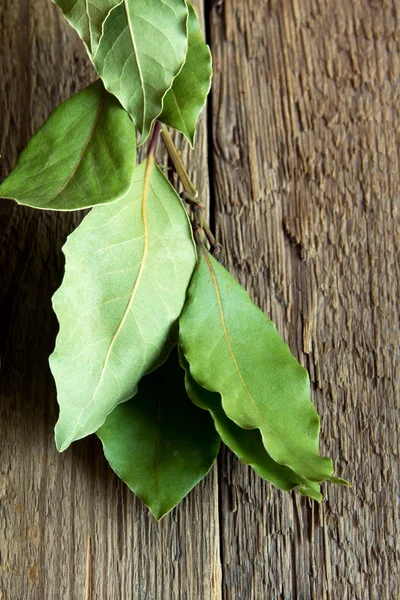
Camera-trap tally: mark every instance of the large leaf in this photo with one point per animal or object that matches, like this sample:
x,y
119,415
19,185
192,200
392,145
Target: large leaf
x,y
185,100
83,155
246,443
87,17
159,443
233,349
142,49
128,266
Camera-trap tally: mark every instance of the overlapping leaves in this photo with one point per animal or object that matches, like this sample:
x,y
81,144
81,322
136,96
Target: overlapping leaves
x,y
160,443
127,269
133,275
87,17
185,100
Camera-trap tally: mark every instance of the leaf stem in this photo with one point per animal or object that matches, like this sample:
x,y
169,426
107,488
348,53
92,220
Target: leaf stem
x,y
188,185
154,139
202,233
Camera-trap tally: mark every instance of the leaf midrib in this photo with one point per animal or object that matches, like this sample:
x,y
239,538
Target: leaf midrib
x,y
131,32
226,336
90,136
149,164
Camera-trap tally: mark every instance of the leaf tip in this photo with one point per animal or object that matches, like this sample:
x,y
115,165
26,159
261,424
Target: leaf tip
x,y
62,443
340,481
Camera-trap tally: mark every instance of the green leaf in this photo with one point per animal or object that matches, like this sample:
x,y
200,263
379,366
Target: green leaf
x,y
141,51
246,443
83,155
128,266
187,97
87,17
159,443
233,349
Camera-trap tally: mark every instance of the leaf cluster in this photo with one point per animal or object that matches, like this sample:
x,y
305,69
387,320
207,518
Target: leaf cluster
x,y
160,352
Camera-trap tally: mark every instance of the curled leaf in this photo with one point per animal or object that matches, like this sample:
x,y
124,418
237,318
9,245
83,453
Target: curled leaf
x,y
246,443
233,349
87,17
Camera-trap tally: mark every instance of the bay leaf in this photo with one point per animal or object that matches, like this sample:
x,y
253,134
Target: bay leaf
x,y
159,443
128,266
185,100
87,17
142,49
246,443
82,156
234,350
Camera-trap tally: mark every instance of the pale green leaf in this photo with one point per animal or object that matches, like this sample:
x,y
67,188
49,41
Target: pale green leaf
x,y
142,49
233,349
159,443
187,97
128,266
82,156
87,17
246,443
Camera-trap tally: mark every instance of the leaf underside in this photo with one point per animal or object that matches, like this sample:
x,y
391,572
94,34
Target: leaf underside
x,y
234,350
159,443
184,102
87,17
128,266
82,156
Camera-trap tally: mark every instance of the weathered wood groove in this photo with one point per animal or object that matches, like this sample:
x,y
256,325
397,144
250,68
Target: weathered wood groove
x,y
307,187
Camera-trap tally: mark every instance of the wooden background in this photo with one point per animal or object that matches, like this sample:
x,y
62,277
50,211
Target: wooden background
x,y
300,161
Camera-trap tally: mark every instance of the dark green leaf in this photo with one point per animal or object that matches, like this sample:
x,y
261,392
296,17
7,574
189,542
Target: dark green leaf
x,y
83,155
159,443
233,349
128,266
246,443
187,97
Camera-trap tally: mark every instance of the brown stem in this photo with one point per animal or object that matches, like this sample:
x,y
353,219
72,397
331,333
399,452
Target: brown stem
x,y
154,139
188,186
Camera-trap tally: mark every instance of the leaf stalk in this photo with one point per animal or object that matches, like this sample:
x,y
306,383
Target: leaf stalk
x,y
183,175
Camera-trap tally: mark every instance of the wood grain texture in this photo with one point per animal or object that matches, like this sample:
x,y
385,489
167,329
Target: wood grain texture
x,y
69,529
306,158
306,142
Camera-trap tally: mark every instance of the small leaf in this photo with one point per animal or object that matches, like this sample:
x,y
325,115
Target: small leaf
x,y
128,266
187,97
233,349
83,155
159,443
141,51
87,17
246,443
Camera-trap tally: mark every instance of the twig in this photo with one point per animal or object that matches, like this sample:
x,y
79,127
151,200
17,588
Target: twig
x,y
188,186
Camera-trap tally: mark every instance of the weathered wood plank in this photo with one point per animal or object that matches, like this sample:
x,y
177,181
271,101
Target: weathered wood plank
x,y
306,108
53,506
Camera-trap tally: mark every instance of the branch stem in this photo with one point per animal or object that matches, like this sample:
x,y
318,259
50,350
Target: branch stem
x,y
188,185
202,233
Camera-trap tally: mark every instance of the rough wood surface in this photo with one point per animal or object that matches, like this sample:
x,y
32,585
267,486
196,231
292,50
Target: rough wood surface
x,y
53,508
306,110
306,187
